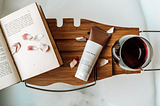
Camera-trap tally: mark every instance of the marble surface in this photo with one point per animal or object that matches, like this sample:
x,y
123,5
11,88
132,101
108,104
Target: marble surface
x,y
121,90
153,22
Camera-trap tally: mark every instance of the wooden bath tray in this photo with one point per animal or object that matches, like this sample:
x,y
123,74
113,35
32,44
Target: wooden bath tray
x,y
65,39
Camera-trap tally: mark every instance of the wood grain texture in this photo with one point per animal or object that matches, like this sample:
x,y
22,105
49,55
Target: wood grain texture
x,y
65,39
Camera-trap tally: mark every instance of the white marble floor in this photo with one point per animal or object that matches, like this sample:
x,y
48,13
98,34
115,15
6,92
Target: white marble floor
x,y
125,90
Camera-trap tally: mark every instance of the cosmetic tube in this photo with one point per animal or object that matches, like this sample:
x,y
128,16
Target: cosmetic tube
x,y
97,39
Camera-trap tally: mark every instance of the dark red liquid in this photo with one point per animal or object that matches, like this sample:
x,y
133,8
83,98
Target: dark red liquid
x,y
134,52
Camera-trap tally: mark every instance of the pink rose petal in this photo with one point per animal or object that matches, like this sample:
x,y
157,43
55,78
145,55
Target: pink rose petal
x,y
76,58
29,48
74,62
15,47
26,36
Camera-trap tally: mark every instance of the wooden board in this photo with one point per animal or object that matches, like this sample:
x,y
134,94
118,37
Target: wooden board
x,y
65,39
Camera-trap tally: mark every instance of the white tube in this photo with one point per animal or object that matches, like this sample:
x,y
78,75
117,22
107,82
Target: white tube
x,y
89,57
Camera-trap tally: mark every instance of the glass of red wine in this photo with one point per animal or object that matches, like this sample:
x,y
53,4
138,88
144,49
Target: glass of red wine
x,y
132,52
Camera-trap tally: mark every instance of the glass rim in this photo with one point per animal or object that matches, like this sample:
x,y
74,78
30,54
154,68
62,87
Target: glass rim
x,y
149,49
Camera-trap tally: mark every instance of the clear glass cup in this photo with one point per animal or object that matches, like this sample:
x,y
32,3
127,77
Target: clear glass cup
x,y
132,52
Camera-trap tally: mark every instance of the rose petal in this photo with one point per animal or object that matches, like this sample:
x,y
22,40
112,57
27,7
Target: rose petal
x,y
38,37
74,62
101,62
111,30
26,36
30,48
76,58
81,39
15,47
18,46
44,47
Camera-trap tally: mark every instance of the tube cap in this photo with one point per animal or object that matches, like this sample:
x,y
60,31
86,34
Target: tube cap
x,y
83,76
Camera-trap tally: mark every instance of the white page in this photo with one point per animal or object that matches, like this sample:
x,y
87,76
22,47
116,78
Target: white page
x,y
29,63
8,71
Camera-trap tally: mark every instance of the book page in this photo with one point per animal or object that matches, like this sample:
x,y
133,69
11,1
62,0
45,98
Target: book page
x,y
28,21
8,71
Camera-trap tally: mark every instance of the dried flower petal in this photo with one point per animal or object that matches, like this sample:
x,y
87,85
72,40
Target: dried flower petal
x,y
18,46
30,48
74,62
38,37
15,47
76,58
81,39
44,47
101,62
111,30
27,36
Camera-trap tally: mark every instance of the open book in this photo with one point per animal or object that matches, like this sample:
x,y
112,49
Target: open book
x,y
27,47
